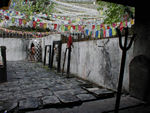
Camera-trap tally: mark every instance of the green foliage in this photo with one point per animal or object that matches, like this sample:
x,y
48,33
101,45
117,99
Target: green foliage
x,y
29,29
43,6
115,13
38,6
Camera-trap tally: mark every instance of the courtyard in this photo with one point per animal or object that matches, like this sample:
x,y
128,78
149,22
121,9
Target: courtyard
x,y
32,86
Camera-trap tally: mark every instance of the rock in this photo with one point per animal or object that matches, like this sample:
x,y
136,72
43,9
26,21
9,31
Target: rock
x,y
28,104
50,100
1,109
66,97
51,110
85,97
9,106
36,93
100,92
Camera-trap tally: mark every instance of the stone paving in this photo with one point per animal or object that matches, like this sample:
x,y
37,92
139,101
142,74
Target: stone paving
x,y
31,86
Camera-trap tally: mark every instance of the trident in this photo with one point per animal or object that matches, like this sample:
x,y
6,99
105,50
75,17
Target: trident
x,y
124,49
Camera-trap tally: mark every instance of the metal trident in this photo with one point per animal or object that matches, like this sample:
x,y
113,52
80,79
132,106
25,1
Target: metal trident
x,y
124,49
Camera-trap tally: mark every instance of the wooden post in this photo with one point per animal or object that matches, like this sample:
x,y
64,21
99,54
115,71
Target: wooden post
x,y
45,55
69,58
59,57
49,55
52,57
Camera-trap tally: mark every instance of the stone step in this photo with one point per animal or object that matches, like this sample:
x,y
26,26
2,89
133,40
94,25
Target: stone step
x,y
100,93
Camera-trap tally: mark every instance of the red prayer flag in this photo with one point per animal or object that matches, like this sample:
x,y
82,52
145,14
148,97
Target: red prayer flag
x,y
7,17
55,26
69,43
34,24
93,26
38,20
121,26
20,21
16,13
108,27
74,27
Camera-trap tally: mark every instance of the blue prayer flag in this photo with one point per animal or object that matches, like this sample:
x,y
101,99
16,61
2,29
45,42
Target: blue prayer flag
x,y
87,32
110,32
96,34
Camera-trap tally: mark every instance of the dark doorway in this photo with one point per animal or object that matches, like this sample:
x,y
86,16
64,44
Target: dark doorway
x,y
56,54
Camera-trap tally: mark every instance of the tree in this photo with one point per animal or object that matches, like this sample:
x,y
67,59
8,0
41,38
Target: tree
x,y
115,13
33,6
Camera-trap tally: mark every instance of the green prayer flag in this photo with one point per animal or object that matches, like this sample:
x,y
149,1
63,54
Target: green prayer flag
x,y
101,34
98,27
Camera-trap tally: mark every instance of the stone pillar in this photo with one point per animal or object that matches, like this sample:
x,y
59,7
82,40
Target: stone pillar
x,y
139,67
3,69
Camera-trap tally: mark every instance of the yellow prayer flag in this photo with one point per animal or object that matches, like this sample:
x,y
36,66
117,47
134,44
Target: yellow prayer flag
x,y
98,27
69,27
114,32
45,25
24,22
99,34
132,22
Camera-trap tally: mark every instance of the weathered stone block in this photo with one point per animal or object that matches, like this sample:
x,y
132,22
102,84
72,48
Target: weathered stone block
x,y
28,104
86,97
66,97
50,100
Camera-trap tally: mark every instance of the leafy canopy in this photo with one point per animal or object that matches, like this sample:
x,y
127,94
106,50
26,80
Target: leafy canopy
x,y
115,13
37,6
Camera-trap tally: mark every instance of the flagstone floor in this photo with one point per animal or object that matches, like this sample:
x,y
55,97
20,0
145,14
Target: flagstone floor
x,y
33,86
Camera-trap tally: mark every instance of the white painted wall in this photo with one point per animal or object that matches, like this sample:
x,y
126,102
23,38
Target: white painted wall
x,y
49,41
15,48
100,65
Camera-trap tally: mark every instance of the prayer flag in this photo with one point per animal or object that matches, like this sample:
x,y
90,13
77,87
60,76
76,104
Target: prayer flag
x,y
55,26
107,32
20,21
34,24
114,32
45,25
110,32
74,27
96,34
104,34
98,27
69,27
87,32
93,27
101,33
13,20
